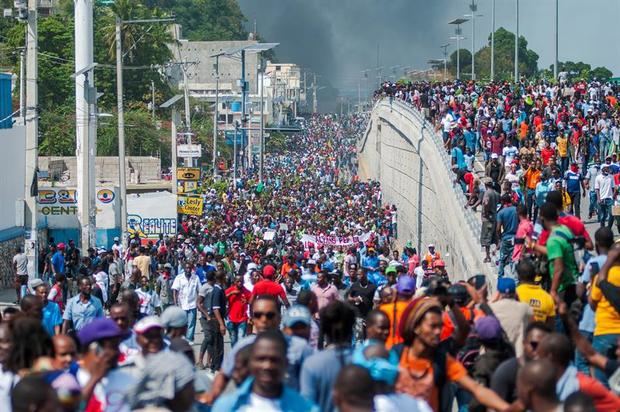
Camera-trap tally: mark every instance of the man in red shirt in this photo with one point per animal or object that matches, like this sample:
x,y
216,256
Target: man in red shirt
x,y
238,299
266,286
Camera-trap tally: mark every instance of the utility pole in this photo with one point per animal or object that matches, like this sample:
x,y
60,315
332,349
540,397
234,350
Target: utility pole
x,y
557,44
153,100
85,97
189,162
314,102
22,83
32,135
121,130
493,41
517,42
215,111
244,92
175,121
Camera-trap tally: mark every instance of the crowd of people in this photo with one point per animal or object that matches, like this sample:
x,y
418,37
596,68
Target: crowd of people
x,y
323,312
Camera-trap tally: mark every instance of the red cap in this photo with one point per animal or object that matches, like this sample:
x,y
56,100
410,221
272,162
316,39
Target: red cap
x,y
269,271
439,264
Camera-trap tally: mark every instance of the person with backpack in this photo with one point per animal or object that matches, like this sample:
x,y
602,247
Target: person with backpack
x,y
426,367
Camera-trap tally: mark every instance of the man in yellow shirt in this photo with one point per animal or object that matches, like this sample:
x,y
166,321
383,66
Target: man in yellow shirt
x,y
607,319
562,146
529,292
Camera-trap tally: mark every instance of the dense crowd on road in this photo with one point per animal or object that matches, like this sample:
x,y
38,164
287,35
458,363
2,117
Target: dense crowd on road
x,y
301,273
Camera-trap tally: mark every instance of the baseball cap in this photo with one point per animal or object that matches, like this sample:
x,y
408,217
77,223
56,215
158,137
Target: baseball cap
x,y
494,156
390,269
116,239
269,271
506,285
297,314
147,323
405,284
488,328
60,246
173,317
98,329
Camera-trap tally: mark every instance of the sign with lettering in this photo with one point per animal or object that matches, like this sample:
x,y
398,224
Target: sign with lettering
x,y
327,240
190,205
152,214
58,207
189,150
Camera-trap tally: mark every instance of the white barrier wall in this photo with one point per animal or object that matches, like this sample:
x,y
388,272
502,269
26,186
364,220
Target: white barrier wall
x,y
403,152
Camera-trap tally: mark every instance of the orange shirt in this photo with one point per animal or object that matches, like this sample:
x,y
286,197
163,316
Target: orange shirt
x,y
393,311
416,377
448,325
531,177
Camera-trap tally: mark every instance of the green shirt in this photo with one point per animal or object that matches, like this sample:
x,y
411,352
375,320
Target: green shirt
x,y
558,246
221,248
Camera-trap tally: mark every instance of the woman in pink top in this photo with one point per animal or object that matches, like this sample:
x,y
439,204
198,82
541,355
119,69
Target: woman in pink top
x,y
525,229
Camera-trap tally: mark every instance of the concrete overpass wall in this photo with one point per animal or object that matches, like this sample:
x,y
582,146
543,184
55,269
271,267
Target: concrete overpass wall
x,y
401,150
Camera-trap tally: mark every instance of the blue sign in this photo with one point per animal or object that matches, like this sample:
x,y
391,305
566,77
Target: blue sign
x,y
230,135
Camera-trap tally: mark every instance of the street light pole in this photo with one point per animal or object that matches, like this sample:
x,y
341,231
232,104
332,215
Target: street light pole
x,y
473,7
493,41
457,23
262,120
557,29
517,42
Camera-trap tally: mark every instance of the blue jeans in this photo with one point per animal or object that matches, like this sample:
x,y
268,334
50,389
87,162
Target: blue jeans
x,y
604,214
191,324
581,363
602,344
530,203
505,254
592,209
235,329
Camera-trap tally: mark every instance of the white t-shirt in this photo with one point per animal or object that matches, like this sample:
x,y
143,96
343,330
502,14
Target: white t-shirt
x,y
21,262
258,403
400,402
8,380
605,186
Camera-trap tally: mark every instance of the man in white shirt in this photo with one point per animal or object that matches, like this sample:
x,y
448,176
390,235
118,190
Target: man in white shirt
x,y
605,192
20,267
185,292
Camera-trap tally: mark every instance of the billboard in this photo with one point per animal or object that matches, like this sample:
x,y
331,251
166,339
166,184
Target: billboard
x,y
152,214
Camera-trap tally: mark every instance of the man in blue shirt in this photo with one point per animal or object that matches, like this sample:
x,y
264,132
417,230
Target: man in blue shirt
x,y
507,222
265,389
575,183
82,309
458,158
58,260
51,317
371,264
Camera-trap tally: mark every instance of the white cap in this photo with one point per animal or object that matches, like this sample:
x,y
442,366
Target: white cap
x,y
494,156
147,323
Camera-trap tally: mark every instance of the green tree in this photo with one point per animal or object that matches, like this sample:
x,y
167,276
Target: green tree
x,y
504,57
465,63
206,19
601,73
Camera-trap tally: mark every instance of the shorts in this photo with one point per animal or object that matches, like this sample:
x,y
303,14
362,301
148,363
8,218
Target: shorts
x,y
488,234
21,280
